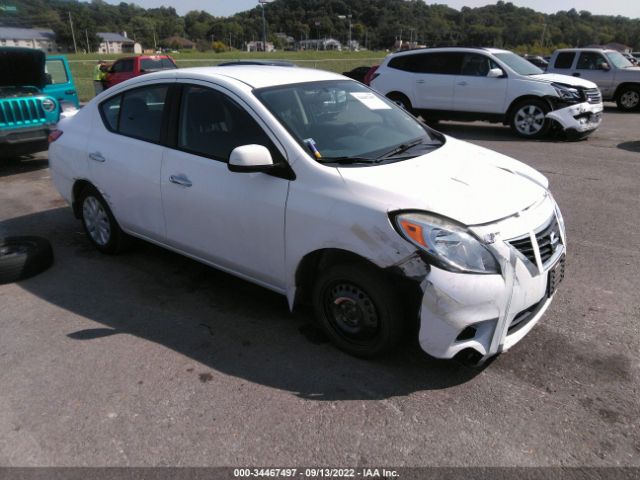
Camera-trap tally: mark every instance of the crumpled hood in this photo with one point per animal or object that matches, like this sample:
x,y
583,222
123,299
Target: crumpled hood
x,y
464,182
566,79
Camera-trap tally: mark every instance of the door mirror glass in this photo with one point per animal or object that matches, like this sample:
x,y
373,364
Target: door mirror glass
x,y
495,73
250,158
605,66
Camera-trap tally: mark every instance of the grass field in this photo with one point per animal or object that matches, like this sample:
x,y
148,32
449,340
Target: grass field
x,y
82,65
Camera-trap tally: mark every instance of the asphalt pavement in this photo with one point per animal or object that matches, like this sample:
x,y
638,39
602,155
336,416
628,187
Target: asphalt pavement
x,y
149,358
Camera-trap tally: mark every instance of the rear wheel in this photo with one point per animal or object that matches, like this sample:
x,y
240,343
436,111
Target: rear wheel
x,y
99,223
628,98
529,118
358,309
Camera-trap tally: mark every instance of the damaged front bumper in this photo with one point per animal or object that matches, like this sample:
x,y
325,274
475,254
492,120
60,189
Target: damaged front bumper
x,y
579,120
488,314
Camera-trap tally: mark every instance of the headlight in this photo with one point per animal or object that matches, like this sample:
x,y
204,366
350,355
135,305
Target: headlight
x,y
450,246
567,94
48,105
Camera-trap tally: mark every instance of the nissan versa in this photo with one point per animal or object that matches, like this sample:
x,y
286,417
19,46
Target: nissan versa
x,y
314,186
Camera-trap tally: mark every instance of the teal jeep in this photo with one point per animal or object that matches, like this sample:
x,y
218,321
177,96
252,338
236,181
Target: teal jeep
x,y
27,114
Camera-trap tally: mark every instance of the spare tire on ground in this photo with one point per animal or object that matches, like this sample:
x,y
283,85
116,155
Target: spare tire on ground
x,y
23,257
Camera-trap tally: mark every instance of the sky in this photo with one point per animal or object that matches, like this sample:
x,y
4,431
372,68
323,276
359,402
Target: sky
x,y
224,8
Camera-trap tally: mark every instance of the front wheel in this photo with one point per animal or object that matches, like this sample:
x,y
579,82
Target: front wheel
x,y
628,99
358,309
529,119
401,100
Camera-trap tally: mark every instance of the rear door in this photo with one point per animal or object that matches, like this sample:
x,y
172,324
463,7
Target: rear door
x,y
125,157
474,91
435,77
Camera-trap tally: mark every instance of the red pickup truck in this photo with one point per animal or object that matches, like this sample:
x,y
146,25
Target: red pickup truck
x,y
129,67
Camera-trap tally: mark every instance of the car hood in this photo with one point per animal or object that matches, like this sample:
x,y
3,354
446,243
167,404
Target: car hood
x,y
22,67
566,79
461,181
631,73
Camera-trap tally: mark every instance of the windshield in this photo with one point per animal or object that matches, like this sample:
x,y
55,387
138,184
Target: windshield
x,y
618,60
518,64
344,120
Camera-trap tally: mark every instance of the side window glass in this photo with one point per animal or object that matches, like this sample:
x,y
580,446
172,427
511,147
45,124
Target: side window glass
x,y
110,111
127,65
117,67
445,63
564,60
55,68
590,61
141,115
212,125
475,65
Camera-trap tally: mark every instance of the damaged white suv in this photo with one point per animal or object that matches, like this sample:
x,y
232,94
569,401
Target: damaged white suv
x,y
489,84
312,185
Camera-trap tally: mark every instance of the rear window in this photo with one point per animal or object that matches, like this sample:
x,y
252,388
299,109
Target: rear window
x,y
148,64
564,60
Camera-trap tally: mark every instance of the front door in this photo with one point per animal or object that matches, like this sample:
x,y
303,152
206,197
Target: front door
x,y
474,91
590,67
233,220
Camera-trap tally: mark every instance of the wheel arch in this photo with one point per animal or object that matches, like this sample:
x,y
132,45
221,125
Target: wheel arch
x,y
518,101
78,186
398,93
620,87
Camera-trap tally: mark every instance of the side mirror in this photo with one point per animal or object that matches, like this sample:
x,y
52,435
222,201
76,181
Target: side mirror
x,y
605,66
495,73
250,158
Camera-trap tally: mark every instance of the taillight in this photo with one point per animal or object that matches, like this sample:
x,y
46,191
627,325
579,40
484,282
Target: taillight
x,y
53,136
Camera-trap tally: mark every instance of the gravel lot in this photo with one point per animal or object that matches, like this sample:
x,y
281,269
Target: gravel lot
x,y
149,358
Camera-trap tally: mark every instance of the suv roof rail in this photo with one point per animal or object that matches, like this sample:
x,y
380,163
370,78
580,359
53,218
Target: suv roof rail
x,y
435,47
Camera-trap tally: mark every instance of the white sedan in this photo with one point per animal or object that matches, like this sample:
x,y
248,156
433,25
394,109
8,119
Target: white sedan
x,y
314,186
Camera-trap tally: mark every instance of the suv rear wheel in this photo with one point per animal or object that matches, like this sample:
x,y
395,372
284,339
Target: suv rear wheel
x,y
628,98
529,118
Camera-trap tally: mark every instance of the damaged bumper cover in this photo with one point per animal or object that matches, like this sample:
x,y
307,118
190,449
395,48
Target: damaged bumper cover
x,y
578,120
488,314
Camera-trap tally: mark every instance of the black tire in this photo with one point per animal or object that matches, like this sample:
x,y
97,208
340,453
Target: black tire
x,y
628,98
23,257
102,229
358,309
528,118
402,100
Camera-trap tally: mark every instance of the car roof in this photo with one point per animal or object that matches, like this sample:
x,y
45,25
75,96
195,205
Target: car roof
x,y
255,76
450,49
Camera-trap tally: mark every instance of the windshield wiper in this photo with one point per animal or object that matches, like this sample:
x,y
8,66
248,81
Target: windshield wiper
x,y
404,147
346,160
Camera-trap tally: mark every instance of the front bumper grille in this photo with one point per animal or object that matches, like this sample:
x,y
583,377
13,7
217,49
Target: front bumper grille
x,y
21,112
546,241
593,95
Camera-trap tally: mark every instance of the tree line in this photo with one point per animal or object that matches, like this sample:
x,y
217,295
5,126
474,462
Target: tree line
x,y
375,24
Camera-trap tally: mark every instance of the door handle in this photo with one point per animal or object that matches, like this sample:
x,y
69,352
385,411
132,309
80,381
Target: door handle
x,y
576,74
462,84
419,81
97,157
180,180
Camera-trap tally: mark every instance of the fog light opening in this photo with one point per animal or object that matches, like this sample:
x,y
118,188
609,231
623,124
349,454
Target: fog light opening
x,y
466,334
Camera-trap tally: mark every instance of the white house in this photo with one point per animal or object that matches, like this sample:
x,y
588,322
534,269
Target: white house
x,y
117,43
40,38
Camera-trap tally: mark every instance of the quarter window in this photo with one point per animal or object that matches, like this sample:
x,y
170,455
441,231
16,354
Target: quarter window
x,y
564,60
212,125
111,112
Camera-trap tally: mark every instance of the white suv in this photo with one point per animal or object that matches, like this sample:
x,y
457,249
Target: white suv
x,y
489,84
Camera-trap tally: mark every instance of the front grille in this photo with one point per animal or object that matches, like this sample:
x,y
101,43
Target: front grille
x,y
523,317
546,239
21,112
593,95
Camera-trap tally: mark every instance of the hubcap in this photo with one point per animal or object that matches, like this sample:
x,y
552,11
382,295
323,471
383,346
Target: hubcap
x,y
351,312
529,120
96,220
630,99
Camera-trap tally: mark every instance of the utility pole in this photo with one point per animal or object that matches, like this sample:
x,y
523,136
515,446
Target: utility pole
x,y
544,29
155,44
263,3
86,35
343,17
73,35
